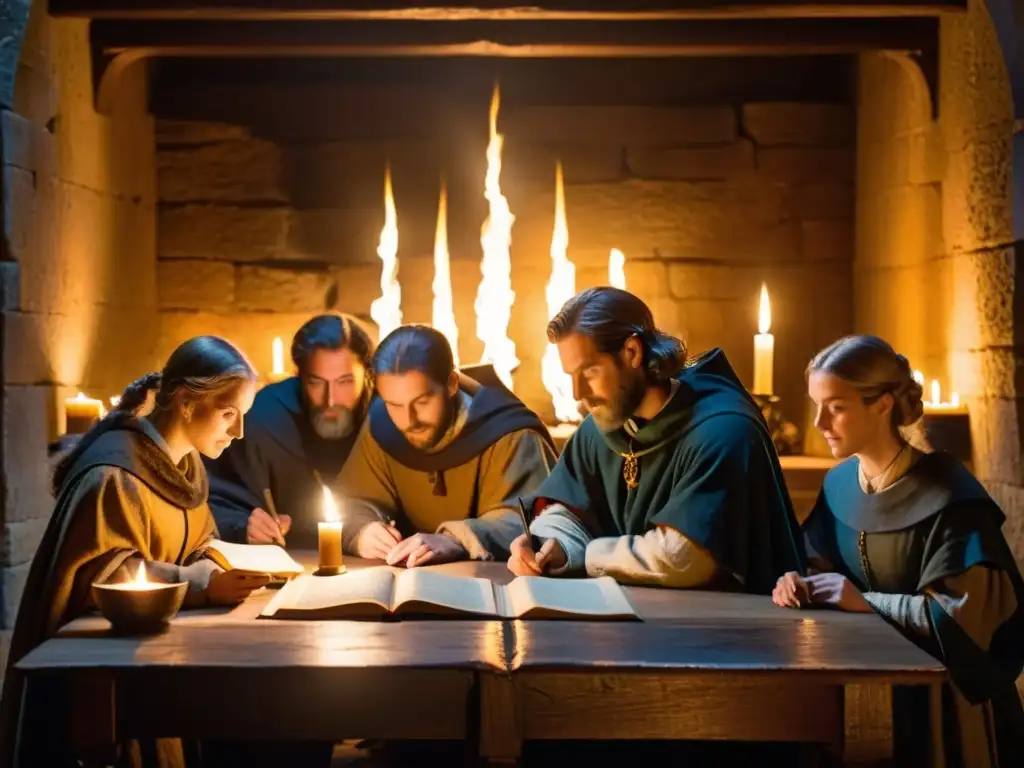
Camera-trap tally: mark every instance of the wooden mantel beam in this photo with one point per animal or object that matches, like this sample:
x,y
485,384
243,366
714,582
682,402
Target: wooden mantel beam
x,y
497,10
520,40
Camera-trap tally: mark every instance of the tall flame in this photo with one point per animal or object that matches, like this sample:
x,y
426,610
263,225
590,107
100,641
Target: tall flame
x,y
386,311
617,269
277,353
140,575
494,298
764,315
330,507
444,312
561,287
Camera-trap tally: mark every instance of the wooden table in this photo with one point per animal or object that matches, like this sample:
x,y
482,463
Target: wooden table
x,y
701,666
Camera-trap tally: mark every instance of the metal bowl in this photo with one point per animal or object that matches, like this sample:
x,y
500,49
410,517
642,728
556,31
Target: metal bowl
x,y
137,611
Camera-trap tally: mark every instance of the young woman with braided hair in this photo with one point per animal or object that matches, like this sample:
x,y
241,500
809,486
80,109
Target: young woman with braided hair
x,y
912,535
132,491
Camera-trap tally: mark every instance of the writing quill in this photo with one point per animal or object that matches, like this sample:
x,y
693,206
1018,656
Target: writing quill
x,y
535,542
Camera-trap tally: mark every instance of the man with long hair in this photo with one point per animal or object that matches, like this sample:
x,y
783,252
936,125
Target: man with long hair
x,y
672,479
298,436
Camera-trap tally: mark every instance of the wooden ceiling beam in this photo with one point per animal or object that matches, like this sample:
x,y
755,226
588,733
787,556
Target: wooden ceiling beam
x,y
497,10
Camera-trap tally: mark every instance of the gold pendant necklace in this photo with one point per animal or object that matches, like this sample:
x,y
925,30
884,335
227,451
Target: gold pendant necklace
x,y
630,468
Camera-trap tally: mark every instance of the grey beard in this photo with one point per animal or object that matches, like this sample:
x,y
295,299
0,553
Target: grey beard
x,y
332,429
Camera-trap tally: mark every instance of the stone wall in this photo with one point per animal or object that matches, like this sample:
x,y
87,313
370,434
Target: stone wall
x,y
936,257
77,269
706,202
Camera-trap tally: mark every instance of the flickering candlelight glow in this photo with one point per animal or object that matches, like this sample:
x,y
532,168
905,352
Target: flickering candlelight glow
x,y
918,377
331,514
764,348
936,392
617,269
444,311
935,404
561,287
494,298
386,310
139,584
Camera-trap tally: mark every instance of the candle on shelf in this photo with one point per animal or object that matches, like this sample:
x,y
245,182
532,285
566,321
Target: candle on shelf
x,y
936,394
80,413
764,348
330,530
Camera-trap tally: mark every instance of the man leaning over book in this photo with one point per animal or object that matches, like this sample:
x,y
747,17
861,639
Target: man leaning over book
x,y
437,470
672,479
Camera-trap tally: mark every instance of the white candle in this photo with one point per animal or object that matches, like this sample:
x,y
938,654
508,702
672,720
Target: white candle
x,y
936,395
329,534
764,348
617,269
954,400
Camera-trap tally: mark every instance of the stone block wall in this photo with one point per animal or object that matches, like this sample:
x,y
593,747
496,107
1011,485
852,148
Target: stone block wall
x,y
707,202
937,261
77,268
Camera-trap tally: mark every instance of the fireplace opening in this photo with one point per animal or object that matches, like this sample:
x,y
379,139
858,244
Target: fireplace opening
x,y
712,176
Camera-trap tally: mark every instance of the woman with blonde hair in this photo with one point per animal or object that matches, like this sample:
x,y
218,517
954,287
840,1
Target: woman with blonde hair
x,y
913,536
133,492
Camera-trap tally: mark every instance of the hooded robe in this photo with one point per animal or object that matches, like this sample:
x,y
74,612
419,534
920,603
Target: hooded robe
x,y
905,547
467,486
707,468
118,496
282,453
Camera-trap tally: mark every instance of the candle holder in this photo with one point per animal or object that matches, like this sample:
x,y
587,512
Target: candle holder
x,y
133,610
785,434
331,561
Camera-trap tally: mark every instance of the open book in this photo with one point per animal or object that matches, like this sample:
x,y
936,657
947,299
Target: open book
x,y
381,592
257,558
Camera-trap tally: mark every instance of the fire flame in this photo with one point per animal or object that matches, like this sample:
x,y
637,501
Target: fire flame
x,y
140,576
764,315
561,287
277,353
444,312
494,298
617,269
330,507
386,311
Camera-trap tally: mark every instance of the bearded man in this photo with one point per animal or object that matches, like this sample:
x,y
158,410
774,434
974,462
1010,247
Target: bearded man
x,y
672,480
439,467
297,437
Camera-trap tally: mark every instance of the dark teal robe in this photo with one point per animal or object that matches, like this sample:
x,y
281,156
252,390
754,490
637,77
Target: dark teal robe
x,y
936,522
710,471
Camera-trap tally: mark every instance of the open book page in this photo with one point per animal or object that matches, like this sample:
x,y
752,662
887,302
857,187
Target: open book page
x,y
539,597
420,590
258,558
365,593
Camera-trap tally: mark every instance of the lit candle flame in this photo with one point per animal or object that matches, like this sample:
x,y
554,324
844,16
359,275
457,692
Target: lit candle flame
x,y
444,312
954,399
277,352
494,298
764,315
617,269
386,310
331,514
115,401
936,397
561,287
140,576
918,377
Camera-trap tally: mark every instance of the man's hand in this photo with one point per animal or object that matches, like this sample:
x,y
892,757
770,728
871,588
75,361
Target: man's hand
x,y
791,591
376,540
262,529
232,587
836,590
426,548
525,562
